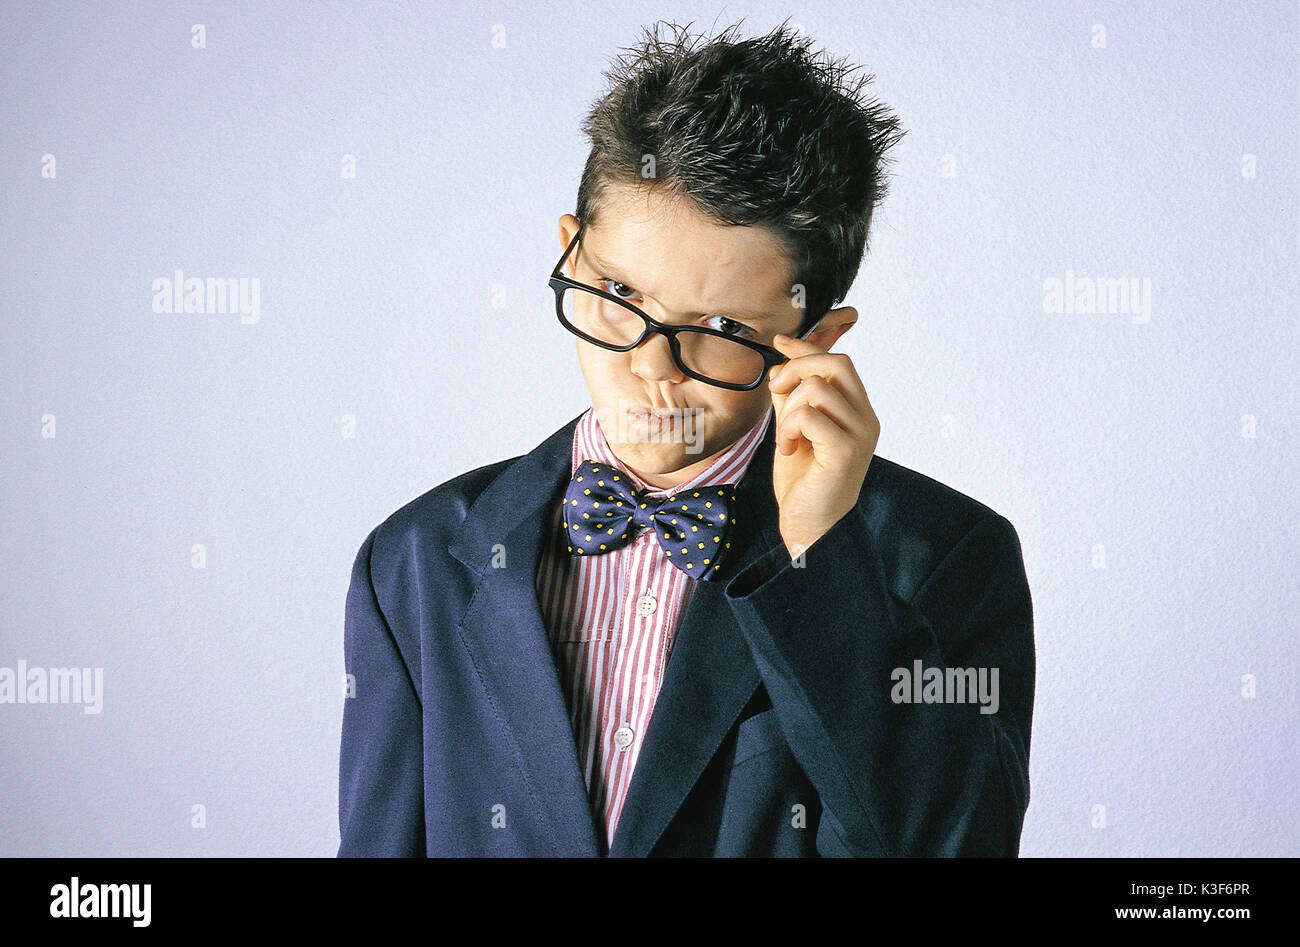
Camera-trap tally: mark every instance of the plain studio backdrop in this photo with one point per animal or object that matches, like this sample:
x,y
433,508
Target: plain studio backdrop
x,y
184,493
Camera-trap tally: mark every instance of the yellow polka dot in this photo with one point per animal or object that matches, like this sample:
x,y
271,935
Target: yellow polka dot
x,y
695,529
728,545
586,516
690,565
706,562
701,545
683,506
600,483
683,549
719,493
697,493
722,516
579,480
570,549
589,537
715,539
587,492
708,504
573,502
668,552
602,545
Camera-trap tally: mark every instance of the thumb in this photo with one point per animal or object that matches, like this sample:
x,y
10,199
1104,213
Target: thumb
x,y
778,405
778,399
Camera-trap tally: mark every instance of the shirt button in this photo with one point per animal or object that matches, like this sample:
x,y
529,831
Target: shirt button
x,y
646,605
623,737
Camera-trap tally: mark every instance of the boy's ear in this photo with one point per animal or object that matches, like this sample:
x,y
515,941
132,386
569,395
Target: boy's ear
x,y
568,227
833,325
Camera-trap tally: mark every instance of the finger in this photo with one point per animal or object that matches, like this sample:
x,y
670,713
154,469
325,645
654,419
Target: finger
x,y
819,393
805,422
839,373
791,347
778,398
836,367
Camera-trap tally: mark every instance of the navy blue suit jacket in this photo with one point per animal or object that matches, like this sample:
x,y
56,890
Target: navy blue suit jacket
x,y
774,733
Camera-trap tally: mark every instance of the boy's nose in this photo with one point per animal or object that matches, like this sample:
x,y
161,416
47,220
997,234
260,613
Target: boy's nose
x,y
653,360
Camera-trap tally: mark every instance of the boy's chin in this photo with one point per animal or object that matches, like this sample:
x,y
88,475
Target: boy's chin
x,y
656,458
657,465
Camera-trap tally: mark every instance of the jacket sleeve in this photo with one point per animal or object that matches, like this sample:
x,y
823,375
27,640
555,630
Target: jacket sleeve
x,y
899,778
381,783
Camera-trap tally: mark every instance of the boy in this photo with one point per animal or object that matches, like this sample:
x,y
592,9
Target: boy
x,y
701,619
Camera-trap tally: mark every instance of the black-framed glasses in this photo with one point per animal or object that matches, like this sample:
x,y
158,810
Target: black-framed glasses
x,y
707,355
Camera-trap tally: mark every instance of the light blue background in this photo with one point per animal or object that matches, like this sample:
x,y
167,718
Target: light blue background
x,y
223,684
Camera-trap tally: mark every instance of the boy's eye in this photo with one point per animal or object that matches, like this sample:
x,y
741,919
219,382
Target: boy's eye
x,y
621,290
732,327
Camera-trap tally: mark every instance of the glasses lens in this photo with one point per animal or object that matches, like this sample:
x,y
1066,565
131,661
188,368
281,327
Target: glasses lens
x,y
712,356
720,359
600,319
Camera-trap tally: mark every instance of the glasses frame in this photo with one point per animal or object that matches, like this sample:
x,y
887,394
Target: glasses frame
x,y
559,282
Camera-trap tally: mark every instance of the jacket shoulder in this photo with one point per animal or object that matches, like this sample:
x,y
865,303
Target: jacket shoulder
x,y
919,520
426,523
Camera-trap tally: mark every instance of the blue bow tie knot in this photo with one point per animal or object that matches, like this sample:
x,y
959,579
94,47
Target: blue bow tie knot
x,y
603,512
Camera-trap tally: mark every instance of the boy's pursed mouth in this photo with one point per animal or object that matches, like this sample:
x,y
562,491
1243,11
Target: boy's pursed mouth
x,y
654,415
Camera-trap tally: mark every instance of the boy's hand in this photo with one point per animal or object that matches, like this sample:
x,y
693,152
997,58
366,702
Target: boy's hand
x,y
826,435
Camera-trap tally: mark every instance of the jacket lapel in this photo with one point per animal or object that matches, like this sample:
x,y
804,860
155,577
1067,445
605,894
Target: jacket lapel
x,y
506,637
709,678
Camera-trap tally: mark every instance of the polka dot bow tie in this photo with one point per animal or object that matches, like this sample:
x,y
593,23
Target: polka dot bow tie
x,y
603,511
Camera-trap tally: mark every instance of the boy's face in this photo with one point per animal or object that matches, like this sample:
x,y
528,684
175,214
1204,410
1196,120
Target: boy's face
x,y
680,268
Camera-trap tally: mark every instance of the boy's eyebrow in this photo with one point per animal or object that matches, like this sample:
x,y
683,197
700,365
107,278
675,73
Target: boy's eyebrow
x,y
613,272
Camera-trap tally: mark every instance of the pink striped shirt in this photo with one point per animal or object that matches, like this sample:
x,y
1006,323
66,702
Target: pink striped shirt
x,y
612,620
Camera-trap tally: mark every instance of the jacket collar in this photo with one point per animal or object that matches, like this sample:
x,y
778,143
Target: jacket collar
x,y
709,678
